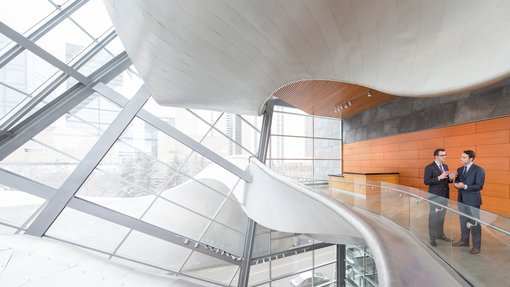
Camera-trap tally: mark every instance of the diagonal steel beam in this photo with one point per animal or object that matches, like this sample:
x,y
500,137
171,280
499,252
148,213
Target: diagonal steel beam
x,y
174,133
34,48
41,31
149,229
58,202
40,120
56,83
18,182
40,190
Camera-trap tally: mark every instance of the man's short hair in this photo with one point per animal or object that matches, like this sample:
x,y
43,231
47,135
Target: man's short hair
x,y
470,153
436,152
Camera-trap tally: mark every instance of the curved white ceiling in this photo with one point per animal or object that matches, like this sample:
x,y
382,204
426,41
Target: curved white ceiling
x,y
232,55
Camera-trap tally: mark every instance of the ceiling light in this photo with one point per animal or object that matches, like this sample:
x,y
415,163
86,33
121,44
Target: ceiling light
x,y
369,93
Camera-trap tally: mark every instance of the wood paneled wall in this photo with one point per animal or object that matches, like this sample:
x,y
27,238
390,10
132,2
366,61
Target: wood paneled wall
x,y
409,153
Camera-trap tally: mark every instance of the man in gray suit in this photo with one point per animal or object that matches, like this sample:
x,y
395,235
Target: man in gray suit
x,y
469,181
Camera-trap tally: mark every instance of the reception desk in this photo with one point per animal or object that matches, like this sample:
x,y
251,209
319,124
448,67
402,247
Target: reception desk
x,y
360,188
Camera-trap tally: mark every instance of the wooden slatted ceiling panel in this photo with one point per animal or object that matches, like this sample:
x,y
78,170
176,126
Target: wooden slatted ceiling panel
x,y
319,97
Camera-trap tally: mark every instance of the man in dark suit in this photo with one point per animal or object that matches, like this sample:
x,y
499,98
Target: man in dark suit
x,y
437,177
470,181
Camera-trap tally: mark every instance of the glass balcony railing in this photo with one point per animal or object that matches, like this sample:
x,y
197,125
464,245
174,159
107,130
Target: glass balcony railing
x,y
409,207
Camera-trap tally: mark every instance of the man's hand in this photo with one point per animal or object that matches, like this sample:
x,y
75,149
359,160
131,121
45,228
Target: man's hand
x,y
459,185
452,175
443,175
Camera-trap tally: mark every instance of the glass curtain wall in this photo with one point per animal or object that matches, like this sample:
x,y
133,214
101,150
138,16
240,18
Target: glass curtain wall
x,y
306,149
146,174
303,147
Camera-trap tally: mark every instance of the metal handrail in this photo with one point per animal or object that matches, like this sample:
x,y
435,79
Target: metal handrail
x,y
435,203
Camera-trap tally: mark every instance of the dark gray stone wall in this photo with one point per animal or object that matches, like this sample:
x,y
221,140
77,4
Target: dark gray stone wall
x,y
405,115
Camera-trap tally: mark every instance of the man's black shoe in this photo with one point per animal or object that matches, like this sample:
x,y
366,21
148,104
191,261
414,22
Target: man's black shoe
x,y
443,237
460,243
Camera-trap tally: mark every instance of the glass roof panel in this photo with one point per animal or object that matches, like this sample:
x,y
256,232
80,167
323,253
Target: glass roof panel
x,y
224,238
195,196
255,121
61,2
10,100
208,116
32,11
97,111
245,137
115,193
26,72
17,207
208,173
225,147
40,163
154,251
4,229
99,59
96,25
115,47
231,214
5,44
209,268
182,119
126,83
176,219
75,133
78,227
65,41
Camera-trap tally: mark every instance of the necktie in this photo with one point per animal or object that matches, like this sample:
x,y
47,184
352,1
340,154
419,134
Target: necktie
x,y
441,168
464,172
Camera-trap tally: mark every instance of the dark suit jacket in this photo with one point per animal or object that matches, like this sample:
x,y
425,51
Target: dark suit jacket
x,y
437,187
474,179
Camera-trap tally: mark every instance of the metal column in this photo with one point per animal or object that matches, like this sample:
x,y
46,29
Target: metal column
x,y
340,265
250,230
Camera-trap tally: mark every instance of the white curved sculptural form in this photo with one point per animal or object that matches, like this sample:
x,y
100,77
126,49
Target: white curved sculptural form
x,y
232,55
276,202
